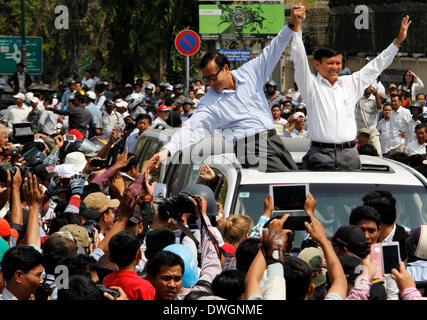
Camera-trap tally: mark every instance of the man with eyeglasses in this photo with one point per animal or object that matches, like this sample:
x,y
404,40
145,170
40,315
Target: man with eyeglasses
x,y
236,104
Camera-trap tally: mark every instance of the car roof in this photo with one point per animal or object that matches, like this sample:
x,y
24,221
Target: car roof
x,y
375,170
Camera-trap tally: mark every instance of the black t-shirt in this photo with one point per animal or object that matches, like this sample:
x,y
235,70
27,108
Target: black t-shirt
x,y
174,119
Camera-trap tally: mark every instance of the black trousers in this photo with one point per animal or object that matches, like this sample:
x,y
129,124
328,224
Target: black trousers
x,y
267,154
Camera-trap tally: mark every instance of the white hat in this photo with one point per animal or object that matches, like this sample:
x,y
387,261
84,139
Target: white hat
x,y
35,100
91,95
76,159
169,87
299,114
200,91
19,96
29,96
128,85
66,170
121,104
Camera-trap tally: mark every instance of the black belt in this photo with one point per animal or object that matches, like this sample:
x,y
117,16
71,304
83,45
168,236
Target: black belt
x,y
268,133
339,146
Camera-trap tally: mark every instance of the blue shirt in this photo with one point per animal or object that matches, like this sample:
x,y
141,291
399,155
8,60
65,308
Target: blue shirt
x,y
243,111
94,112
131,141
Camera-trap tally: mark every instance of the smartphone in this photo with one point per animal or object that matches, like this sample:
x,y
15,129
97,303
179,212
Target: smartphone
x,y
296,222
376,255
70,137
289,197
390,256
98,163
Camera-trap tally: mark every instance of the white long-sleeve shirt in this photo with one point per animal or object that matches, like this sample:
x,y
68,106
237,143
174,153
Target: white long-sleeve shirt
x,y
384,128
243,111
399,122
331,108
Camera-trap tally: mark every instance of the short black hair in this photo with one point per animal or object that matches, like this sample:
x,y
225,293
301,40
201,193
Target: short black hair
x,y
326,52
169,101
220,60
298,278
156,240
229,284
80,264
132,163
80,288
246,252
275,106
368,149
164,258
62,219
123,248
385,204
22,257
364,213
421,126
143,116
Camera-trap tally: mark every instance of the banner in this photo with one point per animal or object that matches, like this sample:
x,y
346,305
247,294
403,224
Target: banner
x,y
240,22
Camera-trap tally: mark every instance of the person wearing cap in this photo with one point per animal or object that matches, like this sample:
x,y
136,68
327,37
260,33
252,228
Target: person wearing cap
x,y
399,120
367,115
20,81
17,113
418,146
35,115
101,203
236,103
315,259
272,95
178,91
331,100
350,240
79,234
298,130
363,137
161,116
199,93
93,110
187,106
110,120
78,117
169,91
143,123
416,108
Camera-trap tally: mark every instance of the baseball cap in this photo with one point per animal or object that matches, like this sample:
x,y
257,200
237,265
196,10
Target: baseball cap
x,y
109,102
100,202
200,91
35,100
90,214
91,95
392,85
188,101
79,234
121,104
299,114
162,107
77,159
227,247
128,85
350,265
6,230
169,87
19,96
365,131
353,238
315,260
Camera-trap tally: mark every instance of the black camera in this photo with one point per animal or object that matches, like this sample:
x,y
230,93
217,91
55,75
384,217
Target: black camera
x,y
13,152
113,292
174,207
89,225
43,292
4,168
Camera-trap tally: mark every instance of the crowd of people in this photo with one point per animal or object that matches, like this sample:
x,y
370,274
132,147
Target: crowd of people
x,y
78,220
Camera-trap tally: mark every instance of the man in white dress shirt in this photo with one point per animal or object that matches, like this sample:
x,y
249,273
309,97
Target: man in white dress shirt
x,y
331,100
399,118
384,128
418,146
236,104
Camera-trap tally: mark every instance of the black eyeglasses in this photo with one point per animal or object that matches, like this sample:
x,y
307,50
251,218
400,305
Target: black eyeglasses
x,y
212,77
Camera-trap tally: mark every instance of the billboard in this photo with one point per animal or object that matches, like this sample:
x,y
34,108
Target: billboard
x,y
10,54
240,22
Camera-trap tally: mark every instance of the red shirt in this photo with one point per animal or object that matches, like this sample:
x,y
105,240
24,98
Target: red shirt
x,y
135,287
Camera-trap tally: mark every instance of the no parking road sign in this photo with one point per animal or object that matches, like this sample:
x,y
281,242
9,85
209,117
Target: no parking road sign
x,y
187,42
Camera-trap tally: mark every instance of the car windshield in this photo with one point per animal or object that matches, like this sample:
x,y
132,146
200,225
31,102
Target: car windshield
x,y
335,202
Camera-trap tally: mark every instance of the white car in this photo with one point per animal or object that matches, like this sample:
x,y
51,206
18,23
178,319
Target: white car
x,y
242,191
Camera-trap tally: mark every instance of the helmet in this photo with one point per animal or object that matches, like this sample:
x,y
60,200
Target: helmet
x,y
190,276
133,100
149,87
415,104
300,107
177,86
286,113
423,117
207,193
271,83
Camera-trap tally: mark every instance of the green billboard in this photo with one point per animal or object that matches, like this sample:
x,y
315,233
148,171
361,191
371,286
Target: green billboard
x,y
10,54
250,21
